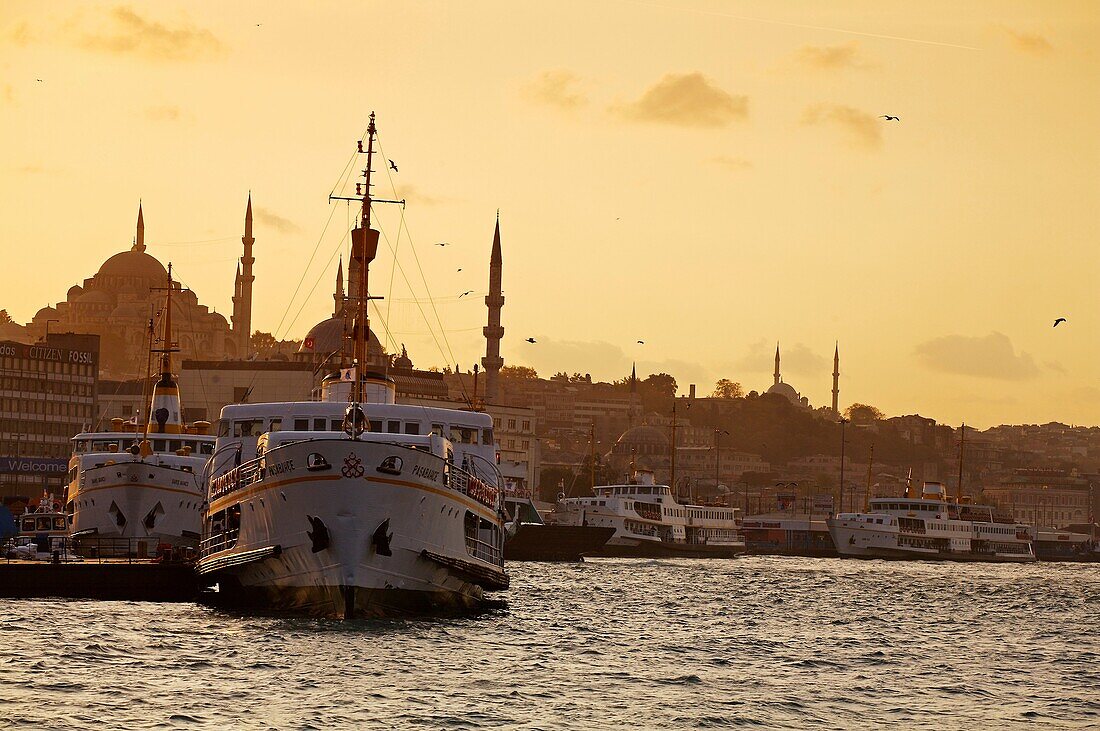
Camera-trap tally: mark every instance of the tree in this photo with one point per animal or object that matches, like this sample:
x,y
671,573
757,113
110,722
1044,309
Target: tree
x,y
5,318
725,388
863,414
520,373
661,384
262,341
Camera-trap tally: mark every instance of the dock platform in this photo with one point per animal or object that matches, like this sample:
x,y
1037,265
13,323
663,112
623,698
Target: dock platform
x,y
115,580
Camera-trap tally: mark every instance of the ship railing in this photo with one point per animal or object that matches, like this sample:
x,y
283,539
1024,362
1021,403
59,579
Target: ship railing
x,y
219,541
483,550
475,487
92,549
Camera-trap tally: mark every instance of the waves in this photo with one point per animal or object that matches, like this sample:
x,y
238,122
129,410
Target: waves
x,y
615,643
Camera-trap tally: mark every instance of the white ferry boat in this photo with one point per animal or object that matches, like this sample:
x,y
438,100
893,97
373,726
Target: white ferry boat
x,y
648,521
930,527
354,506
136,488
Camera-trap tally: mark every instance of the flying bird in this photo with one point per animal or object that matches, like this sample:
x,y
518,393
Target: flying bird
x,y
38,79
468,291
1060,319
442,243
887,117
460,269
393,166
641,342
530,340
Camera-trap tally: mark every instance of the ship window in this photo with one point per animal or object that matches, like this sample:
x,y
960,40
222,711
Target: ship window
x,y
206,447
276,424
393,427
318,425
301,425
412,427
487,436
248,428
174,445
336,425
42,524
375,425
223,428
158,445
437,429
28,524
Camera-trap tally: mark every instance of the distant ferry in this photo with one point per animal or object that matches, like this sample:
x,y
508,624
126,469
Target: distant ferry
x,y
535,539
930,527
648,521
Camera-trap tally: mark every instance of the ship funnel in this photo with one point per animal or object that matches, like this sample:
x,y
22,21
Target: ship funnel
x,y
934,491
164,411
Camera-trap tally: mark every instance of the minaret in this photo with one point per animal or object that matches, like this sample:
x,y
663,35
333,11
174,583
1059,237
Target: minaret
x,y
836,379
139,241
492,362
242,301
338,296
777,378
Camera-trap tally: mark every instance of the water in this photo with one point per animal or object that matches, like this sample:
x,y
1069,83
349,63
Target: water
x,y
770,642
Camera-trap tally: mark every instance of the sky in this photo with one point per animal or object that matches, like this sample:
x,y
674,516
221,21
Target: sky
x,y
707,177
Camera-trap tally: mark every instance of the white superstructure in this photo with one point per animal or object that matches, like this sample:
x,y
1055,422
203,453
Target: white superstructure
x,y
930,527
648,521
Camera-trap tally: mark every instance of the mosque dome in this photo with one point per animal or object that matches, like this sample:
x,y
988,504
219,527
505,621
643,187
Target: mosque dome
x,y
45,312
74,291
327,337
95,297
642,440
785,390
133,263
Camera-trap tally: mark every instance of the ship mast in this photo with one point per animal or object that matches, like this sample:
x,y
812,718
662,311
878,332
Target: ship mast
x,y
364,247
959,488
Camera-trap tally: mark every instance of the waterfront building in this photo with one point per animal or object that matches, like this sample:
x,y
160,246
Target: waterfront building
x,y
1043,497
47,394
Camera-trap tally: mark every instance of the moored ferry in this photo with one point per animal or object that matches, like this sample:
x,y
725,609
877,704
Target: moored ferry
x,y
648,521
930,527
354,505
136,487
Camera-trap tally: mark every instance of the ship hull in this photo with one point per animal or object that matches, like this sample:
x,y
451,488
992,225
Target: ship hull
x,y
134,507
550,542
350,542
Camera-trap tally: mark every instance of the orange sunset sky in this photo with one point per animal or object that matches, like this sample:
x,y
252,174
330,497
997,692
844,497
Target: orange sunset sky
x,y
708,177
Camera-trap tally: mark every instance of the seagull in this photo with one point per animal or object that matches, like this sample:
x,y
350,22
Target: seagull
x,y
641,342
442,243
1060,319
460,269
468,291
393,166
38,79
887,117
530,340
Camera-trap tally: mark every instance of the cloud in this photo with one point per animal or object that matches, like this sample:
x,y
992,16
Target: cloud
x,y
686,100
556,88
412,194
860,128
832,58
735,164
987,356
166,113
1053,365
797,359
275,221
123,32
1030,43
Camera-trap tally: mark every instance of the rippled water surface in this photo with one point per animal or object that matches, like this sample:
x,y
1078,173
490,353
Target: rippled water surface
x,y
772,642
